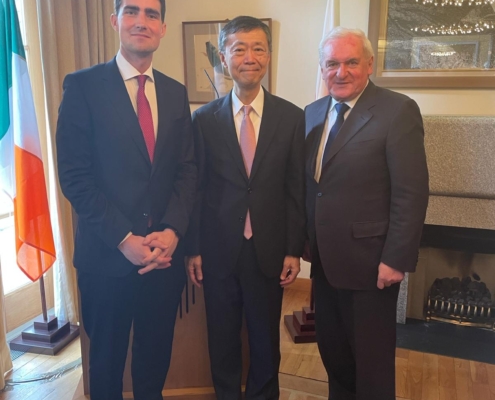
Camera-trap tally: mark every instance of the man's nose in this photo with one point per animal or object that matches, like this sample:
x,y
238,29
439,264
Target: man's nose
x,y
141,19
342,70
249,56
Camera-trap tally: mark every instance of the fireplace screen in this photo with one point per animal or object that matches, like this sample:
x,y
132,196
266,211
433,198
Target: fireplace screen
x,y
464,302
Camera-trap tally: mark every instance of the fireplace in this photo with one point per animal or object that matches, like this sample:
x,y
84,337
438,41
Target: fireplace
x,y
459,234
461,301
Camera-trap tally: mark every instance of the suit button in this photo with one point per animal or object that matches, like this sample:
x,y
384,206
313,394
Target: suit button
x,y
145,215
241,219
250,190
320,194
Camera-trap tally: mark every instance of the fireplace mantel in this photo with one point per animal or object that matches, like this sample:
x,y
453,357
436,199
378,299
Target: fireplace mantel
x,y
461,162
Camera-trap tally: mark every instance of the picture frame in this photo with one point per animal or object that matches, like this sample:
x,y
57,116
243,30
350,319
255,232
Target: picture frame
x,y
416,47
204,76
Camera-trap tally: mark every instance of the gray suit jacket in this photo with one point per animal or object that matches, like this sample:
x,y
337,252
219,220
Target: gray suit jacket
x,y
370,203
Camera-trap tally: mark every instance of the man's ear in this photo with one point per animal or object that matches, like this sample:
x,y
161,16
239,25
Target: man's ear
x,y
370,65
114,21
223,60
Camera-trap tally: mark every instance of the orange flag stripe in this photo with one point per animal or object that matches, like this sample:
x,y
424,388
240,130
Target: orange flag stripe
x,y
34,236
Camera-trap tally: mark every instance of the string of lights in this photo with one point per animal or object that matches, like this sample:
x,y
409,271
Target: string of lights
x,y
456,29
458,3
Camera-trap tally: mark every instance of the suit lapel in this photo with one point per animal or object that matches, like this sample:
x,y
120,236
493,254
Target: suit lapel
x,y
226,125
321,111
358,117
118,96
162,100
268,127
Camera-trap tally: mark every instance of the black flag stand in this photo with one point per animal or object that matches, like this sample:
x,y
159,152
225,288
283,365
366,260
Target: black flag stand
x,y
301,324
47,335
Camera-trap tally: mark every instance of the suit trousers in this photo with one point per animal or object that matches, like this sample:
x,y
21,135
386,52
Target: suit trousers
x,y
356,335
110,305
246,289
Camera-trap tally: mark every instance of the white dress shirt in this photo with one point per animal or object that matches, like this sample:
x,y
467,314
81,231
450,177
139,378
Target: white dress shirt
x,y
129,74
255,114
330,120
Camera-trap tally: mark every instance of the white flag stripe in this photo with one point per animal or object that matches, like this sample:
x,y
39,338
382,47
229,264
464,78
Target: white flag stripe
x,y
7,168
25,127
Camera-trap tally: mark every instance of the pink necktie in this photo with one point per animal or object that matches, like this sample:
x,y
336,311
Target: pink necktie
x,y
248,148
145,117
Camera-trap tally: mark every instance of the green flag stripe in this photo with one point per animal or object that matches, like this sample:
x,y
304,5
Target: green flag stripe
x,y
15,33
10,42
5,72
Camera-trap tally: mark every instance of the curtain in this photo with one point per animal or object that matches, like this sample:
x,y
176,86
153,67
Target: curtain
x,y
5,360
332,19
62,37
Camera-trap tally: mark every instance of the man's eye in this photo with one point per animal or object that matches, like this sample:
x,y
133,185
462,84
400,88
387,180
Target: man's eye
x,y
331,65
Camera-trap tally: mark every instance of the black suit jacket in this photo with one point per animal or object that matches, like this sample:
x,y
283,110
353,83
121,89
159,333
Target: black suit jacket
x,y
274,192
370,203
106,173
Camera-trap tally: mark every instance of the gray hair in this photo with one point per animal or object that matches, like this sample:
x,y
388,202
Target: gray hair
x,y
340,32
243,24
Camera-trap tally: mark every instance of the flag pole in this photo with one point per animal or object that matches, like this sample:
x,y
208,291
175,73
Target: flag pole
x,y
43,299
42,289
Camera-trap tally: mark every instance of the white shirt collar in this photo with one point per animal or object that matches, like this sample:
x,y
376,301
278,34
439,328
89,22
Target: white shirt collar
x,y
257,103
350,103
128,71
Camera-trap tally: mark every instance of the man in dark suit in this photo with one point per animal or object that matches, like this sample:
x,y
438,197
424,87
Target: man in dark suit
x,y
126,164
249,229
367,192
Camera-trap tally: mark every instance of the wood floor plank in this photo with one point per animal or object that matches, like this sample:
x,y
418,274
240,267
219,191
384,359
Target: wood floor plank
x,y
401,353
479,376
492,392
430,377
481,391
479,373
463,381
490,369
446,378
414,384
285,394
401,368
420,376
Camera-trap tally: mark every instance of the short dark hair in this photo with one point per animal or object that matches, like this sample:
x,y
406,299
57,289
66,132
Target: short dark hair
x,y
243,24
118,3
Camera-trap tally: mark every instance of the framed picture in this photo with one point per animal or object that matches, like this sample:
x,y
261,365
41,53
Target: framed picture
x,y
205,77
433,43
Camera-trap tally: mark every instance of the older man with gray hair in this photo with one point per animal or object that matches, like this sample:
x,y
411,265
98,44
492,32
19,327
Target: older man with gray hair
x,y
367,192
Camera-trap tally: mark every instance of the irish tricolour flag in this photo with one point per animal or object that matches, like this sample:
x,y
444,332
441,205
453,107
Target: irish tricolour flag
x,y
21,168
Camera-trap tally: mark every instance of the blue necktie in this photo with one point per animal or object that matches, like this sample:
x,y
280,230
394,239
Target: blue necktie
x,y
341,110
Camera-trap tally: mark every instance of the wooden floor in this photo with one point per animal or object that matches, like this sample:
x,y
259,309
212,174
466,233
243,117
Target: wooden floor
x,y
420,376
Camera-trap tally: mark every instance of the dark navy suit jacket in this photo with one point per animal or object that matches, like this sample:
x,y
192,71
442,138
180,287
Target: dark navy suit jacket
x,y
105,171
273,193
